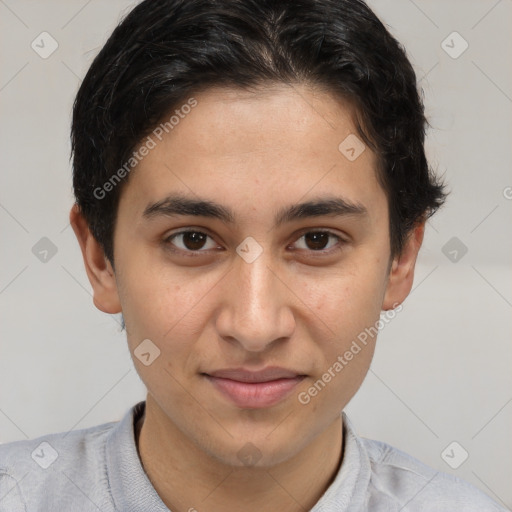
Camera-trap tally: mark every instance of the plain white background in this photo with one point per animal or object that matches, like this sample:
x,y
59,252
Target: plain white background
x,y
441,372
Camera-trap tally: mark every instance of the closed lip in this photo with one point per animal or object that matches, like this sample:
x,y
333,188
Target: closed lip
x,y
265,375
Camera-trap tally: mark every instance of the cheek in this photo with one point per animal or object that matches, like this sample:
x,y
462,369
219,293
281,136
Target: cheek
x,y
351,298
349,305
171,317
164,306
350,309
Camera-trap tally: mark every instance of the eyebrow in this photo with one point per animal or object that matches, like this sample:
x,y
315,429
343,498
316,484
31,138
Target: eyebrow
x,y
178,205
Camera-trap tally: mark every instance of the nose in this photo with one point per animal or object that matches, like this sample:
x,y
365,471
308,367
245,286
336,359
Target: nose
x,y
256,309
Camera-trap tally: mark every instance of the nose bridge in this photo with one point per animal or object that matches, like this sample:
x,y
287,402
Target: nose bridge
x,y
257,282
256,312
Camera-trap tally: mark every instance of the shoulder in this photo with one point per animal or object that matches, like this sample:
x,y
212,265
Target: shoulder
x,y
418,487
36,473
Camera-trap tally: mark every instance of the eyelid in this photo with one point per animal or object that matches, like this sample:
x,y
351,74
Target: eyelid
x,y
167,241
341,240
343,237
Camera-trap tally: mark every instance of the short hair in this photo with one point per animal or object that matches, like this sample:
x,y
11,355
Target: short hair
x,y
164,51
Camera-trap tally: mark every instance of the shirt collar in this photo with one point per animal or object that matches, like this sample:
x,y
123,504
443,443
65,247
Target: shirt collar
x,y
132,490
348,490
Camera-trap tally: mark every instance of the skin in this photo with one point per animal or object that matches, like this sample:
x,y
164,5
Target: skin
x,y
254,152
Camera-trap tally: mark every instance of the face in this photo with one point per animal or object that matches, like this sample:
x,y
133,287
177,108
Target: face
x,y
252,303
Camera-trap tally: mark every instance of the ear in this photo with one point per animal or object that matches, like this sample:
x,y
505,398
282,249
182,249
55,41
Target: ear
x,y
99,270
401,275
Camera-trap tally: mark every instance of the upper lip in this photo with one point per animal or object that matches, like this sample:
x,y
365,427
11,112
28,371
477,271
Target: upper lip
x,y
265,375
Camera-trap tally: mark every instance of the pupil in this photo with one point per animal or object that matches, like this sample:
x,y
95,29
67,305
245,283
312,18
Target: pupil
x,y
314,237
193,240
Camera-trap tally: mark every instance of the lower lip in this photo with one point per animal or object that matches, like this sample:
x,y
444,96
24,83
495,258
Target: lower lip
x,y
255,395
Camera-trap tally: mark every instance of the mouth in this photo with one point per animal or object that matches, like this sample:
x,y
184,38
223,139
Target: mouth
x,y
255,389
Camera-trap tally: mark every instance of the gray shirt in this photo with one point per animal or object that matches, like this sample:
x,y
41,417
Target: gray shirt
x,y
99,469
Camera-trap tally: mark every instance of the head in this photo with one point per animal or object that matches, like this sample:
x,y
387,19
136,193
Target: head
x,y
251,192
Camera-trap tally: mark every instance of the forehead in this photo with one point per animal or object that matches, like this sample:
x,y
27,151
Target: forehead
x,y
265,119
258,148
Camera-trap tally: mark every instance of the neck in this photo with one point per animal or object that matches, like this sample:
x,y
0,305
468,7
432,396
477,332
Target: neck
x,y
188,480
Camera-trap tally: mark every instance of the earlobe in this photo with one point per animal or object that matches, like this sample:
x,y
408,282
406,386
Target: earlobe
x,y
401,274
99,270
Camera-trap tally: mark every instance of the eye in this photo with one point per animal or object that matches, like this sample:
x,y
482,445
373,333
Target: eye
x,y
188,241
316,241
191,241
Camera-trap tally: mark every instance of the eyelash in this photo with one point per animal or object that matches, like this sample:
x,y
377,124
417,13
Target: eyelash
x,y
190,253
